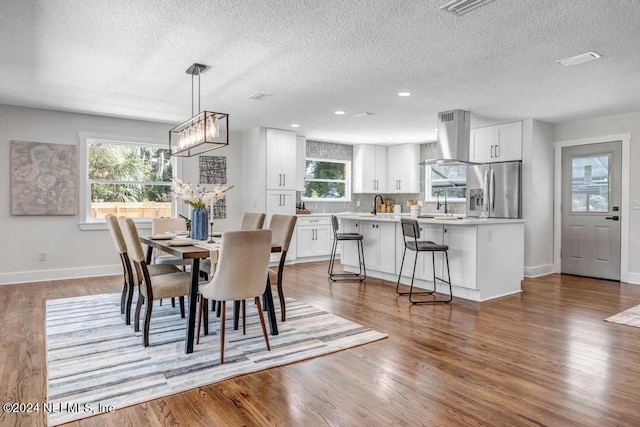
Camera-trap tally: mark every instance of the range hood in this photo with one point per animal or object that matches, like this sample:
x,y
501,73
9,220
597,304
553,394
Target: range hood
x,y
454,138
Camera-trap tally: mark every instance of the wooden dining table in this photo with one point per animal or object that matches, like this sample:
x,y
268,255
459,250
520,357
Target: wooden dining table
x,y
195,254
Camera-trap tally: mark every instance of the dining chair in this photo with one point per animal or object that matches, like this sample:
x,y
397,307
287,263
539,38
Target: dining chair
x,y
240,273
282,227
162,225
130,279
169,285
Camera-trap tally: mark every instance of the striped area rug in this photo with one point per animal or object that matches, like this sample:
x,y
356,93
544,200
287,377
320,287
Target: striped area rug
x,y
95,362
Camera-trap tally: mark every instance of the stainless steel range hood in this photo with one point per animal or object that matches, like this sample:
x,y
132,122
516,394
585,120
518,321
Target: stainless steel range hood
x,y
454,138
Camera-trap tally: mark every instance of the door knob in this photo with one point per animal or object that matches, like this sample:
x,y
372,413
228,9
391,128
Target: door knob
x,y
614,218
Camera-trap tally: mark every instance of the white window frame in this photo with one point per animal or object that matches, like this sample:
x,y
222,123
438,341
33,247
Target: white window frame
x,y
347,181
85,222
427,188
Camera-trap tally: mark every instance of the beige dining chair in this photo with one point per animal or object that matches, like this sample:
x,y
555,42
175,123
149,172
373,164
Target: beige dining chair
x,y
241,273
282,227
151,287
163,225
131,279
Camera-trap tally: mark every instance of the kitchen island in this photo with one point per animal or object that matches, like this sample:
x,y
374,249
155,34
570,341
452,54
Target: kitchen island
x,y
486,257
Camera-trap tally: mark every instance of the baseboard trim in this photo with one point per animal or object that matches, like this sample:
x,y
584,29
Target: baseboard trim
x,y
537,271
59,274
633,278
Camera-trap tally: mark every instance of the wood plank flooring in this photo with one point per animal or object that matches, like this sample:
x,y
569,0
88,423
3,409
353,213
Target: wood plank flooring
x,y
543,357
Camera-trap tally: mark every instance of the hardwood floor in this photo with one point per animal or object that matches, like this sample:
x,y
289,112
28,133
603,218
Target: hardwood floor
x,y
543,357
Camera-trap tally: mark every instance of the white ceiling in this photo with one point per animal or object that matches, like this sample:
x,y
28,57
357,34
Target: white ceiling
x,y
128,59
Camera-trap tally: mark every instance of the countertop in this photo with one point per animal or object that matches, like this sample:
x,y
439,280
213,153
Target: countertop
x,y
396,218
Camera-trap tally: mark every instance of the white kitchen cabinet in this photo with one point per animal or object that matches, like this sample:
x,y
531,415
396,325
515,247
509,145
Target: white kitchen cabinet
x,y
369,168
281,156
314,236
462,242
403,171
349,249
499,143
424,265
280,202
301,160
379,242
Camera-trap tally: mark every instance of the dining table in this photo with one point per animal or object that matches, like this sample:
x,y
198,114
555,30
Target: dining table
x,y
195,252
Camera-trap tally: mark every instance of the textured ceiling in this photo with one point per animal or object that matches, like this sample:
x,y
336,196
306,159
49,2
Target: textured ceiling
x,y
128,59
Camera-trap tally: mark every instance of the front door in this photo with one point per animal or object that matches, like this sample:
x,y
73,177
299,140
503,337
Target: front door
x,y
591,187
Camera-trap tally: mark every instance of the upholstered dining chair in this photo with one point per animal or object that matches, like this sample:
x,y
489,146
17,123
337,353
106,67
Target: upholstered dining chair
x,y
131,279
151,287
282,227
241,273
250,221
164,225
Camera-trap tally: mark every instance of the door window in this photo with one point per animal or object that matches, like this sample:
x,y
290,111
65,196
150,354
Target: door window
x,y
590,183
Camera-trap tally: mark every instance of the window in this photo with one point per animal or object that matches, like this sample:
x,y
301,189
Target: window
x,y
125,178
590,183
327,180
450,179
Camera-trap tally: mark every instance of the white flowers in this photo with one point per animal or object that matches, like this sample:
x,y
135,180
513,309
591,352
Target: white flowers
x,y
197,198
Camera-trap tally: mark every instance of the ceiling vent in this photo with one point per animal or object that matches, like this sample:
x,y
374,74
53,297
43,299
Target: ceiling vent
x,y
460,7
579,59
365,114
260,96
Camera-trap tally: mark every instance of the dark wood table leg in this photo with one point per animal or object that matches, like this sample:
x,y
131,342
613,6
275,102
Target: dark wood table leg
x,y
193,296
271,310
149,254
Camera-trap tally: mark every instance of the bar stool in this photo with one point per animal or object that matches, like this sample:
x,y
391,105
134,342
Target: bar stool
x,y
411,230
354,237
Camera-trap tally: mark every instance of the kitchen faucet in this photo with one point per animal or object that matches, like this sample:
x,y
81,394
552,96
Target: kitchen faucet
x,y
375,207
438,204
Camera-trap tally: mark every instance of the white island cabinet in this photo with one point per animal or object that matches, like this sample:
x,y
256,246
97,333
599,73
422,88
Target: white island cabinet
x,y
486,257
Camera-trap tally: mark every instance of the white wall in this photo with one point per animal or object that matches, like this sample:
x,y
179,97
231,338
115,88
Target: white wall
x,y
537,200
615,125
72,252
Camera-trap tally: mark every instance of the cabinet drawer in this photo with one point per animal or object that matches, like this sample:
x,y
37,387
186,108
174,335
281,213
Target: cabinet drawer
x,y
314,220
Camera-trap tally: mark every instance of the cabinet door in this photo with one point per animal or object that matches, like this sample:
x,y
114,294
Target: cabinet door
x,y
380,169
386,236
462,241
482,145
304,237
288,160
349,250
509,141
280,202
301,162
322,240
273,158
370,244
369,168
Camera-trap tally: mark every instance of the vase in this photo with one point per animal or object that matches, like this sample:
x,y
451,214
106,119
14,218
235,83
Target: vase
x,y
199,223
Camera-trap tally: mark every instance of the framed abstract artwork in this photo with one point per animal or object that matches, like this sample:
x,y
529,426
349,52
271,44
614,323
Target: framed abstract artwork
x,y
44,178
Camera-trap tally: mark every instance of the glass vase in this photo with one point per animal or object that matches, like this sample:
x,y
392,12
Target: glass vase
x,y
199,223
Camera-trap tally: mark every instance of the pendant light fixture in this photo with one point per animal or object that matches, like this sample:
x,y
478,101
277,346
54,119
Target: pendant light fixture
x,y
204,131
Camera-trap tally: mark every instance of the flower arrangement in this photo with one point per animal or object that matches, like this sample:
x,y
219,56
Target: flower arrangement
x,y
198,198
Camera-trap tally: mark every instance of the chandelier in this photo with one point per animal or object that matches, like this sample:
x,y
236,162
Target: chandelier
x,y
204,131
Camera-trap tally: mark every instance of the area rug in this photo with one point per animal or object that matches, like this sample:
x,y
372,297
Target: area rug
x,y
629,317
95,363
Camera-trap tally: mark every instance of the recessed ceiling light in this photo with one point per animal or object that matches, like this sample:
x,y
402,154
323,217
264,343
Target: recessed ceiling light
x,y
389,138
460,7
404,93
578,59
259,96
339,112
295,125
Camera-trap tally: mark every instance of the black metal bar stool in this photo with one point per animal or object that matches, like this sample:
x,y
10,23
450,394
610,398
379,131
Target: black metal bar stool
x,y
355,237
411,230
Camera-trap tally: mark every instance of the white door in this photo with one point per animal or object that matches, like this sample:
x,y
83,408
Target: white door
x,y
591,188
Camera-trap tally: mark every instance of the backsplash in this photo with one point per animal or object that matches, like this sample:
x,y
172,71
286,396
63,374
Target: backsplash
x,y
328,150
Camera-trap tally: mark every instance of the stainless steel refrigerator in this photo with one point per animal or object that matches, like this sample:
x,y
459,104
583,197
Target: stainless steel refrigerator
x,y
494,190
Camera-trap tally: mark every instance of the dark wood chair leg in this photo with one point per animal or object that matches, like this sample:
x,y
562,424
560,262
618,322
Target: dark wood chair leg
x,y
200,314
136,317
264,326
222,328
127,305
147,322
173,302
205,314
181,306
244,317
283,308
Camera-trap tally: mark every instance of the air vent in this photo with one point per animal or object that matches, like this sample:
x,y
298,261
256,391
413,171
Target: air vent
x,y
579,59
448,116
260,96
365,114
460,7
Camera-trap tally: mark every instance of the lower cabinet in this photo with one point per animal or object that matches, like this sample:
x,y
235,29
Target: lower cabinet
x,y
314,236
424,264
379,244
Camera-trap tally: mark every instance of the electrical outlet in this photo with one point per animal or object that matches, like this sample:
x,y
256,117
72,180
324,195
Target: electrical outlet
x,y
357,203
489,235
636,204
42,256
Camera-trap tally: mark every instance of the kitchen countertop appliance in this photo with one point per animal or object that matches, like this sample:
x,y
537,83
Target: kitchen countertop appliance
x,y
494,190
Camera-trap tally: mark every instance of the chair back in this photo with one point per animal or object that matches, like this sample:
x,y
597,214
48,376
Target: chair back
x,y
116,233
135,251
243,266
165,225
282,227
335,224
410,228
252,221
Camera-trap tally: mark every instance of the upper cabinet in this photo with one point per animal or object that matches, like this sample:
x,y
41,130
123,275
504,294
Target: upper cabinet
x,y
281,160
403,171
369,169
301,155
499,143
